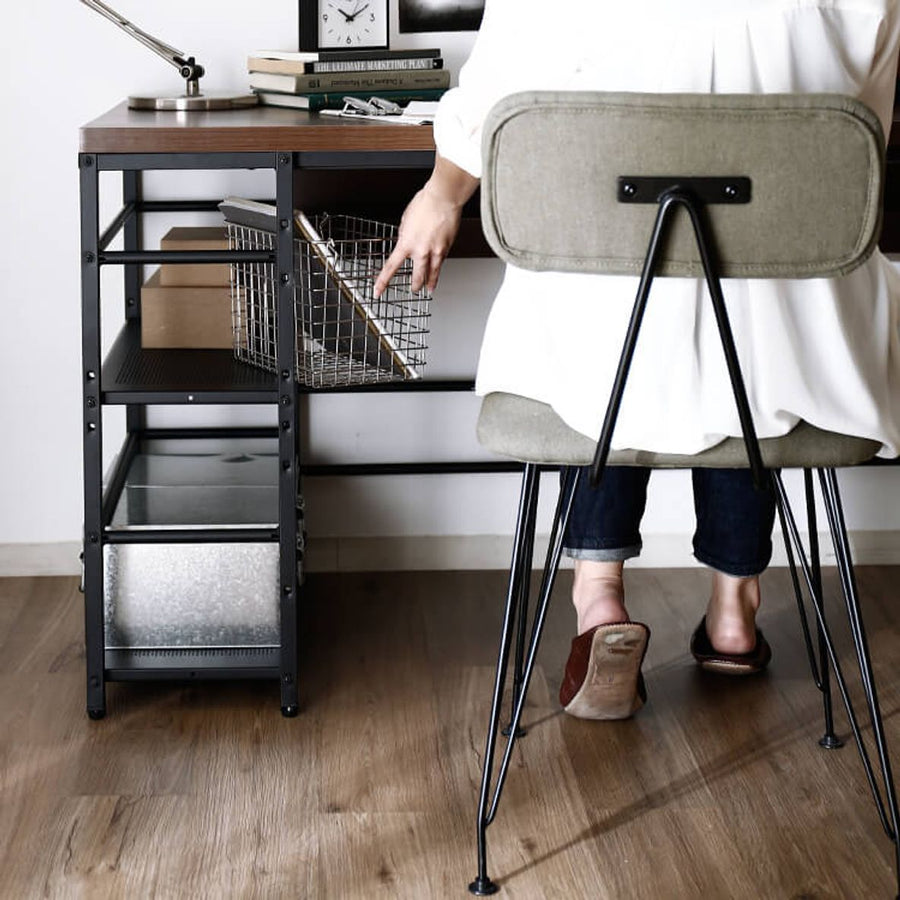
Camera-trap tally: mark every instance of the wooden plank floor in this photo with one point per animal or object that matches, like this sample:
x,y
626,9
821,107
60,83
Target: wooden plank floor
x,y
717,789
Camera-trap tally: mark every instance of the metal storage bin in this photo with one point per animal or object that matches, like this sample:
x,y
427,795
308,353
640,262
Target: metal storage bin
x,y
344,335
195,595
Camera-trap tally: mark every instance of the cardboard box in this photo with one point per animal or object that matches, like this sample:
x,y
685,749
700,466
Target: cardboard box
x,y
214,237
184,316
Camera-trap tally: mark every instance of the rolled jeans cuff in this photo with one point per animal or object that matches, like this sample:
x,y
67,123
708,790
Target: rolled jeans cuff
x,y
736,570
603,554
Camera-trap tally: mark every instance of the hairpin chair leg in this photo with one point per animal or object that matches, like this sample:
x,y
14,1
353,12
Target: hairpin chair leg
x,y
829,740
834,510
886,801
523,581
488,799
818,662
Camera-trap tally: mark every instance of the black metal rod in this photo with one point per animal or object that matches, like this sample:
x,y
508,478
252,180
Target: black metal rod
x,y
203,535
834,510
557,532
114,227
178,206
133,277
120,162
798,595
132,192
845,572
705,245
829,739
782,499
390,387
634,325
127,257
365,159
289,430
197,433
92,425
524,590
116,481
527,507
417,468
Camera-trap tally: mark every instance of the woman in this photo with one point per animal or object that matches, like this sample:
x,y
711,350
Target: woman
x,y
700,46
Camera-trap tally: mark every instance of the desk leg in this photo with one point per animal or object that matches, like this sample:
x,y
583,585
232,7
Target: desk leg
x,y
92,435
132,193
288,443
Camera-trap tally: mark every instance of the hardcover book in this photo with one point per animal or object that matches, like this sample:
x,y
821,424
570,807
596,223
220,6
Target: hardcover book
x,y
349,82
343,55
299,67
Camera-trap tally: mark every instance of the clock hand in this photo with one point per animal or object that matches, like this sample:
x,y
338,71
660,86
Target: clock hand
x,y
356,12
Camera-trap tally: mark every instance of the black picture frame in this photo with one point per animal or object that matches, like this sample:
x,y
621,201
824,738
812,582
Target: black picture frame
x,y
416,16
308,26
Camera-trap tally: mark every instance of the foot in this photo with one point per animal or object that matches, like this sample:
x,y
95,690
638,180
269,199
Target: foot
x,y
603,679
731,613
598,594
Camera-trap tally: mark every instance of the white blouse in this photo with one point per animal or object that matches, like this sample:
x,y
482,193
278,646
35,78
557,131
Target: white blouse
x,y
823,350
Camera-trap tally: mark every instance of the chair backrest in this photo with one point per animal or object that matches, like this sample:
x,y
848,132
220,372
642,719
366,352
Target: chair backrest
x,y
553,160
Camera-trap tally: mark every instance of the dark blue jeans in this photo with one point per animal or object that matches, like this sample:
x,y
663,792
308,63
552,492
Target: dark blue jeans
x,y
734,520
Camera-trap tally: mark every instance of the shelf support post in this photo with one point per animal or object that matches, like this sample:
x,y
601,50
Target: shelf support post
x,y
95,644
288,438
132,193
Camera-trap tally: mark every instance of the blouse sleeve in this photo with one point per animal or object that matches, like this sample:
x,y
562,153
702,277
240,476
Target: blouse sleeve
x,y
506,50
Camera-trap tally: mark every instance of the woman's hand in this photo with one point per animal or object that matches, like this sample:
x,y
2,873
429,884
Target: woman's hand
x,y
429,226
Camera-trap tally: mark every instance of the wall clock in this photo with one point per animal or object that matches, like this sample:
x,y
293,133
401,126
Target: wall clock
x,y
343,24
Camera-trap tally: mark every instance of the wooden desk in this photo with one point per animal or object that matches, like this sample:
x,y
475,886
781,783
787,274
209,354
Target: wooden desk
x,y
328,164
319,161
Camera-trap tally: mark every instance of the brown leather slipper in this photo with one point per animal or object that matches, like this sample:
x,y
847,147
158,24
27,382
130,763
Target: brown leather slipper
x,y
709,659
603,673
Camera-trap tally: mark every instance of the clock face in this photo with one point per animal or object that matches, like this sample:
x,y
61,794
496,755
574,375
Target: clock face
x,y
345,24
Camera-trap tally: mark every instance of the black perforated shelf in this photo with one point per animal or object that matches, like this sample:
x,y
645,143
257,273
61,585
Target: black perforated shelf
x,y
132,374
196,663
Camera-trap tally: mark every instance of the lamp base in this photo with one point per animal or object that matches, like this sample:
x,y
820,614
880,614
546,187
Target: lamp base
x,y
209,100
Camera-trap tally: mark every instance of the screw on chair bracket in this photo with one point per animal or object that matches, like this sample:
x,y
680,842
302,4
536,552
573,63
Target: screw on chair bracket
x,y
650,188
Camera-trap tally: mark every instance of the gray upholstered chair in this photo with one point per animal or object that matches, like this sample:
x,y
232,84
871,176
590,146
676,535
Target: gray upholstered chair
x,y
748,171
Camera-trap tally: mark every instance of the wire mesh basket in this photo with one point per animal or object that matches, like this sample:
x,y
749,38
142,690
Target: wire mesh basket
x,y
345,336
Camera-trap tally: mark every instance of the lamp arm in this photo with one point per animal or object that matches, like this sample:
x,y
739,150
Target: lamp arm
x,y
190,70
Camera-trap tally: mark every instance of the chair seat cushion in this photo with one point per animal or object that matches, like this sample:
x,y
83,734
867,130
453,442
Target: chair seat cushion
x,y
531,431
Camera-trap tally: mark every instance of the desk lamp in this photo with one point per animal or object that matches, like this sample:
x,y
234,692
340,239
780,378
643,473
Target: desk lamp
x,y
188,67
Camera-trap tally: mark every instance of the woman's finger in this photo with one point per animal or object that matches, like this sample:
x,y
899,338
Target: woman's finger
x,y
391,265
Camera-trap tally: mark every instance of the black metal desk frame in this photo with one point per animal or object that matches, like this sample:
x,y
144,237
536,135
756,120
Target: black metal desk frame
x,y
202,377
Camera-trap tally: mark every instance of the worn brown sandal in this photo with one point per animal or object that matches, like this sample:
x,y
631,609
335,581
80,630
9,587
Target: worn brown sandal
x,y
709,659
603,673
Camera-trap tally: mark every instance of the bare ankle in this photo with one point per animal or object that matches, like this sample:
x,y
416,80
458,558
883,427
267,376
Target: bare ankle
x,y
598,594
731,614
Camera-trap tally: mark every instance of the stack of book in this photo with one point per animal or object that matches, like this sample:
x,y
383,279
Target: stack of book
x,y
314,81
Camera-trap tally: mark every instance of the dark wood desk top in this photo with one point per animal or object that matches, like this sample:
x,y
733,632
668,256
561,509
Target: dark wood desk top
x,y
269,129
260,129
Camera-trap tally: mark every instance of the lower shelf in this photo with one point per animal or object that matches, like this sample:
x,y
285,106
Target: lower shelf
x,y
193,664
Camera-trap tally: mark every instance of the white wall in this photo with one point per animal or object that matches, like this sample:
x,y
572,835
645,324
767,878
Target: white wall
x,y
64,65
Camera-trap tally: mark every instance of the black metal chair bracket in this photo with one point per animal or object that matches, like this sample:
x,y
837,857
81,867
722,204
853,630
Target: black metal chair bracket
x,y
669,193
